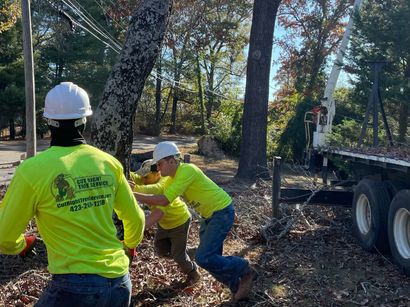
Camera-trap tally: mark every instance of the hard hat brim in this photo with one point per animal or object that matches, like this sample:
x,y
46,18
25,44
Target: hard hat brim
x,y
67,116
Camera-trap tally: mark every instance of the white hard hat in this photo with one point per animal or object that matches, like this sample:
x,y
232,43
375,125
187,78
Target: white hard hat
x,y
67,101
165,149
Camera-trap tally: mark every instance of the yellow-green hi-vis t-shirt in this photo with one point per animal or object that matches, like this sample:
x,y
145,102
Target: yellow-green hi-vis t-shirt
x,y
72,192
175,214
199,192
137,179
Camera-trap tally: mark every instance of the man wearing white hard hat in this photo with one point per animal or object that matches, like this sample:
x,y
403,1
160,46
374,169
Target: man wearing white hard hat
x,y
72,190
172,221
217,212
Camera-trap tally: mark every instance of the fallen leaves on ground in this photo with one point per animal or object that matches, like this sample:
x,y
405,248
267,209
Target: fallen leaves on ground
x,y
317,263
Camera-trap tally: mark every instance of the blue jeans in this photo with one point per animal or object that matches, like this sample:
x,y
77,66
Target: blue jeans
x,y
86,290
212,234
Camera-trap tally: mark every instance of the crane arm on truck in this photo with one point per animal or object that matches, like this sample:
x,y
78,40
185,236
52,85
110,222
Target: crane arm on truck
x,y
326,113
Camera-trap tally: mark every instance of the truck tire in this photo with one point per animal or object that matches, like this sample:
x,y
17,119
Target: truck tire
x,y
369,213
393,187
399,230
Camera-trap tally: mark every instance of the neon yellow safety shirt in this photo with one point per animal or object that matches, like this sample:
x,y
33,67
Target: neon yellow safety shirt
x,y
199,192
136,178
72,192
175,214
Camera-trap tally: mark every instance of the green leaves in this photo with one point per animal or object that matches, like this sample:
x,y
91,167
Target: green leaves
x,y
382,33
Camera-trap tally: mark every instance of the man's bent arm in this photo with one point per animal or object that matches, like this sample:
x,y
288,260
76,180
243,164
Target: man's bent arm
x,y
150,199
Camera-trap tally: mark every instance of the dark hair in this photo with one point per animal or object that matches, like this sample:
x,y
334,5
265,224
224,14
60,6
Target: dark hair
x,y
154,168
176,157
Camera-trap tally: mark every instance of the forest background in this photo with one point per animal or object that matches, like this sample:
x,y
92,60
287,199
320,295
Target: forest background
x,y
197,84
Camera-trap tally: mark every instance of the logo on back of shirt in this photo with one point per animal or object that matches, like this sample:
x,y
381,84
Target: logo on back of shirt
x,y
67,189
63,187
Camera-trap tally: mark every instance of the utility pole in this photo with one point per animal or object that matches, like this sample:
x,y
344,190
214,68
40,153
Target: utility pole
x,y
31,142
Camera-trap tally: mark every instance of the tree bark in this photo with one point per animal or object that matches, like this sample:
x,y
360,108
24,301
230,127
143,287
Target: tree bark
x,y
252,162
113,118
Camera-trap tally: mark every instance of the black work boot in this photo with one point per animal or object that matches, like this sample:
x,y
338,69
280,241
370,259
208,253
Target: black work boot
x,y
245,285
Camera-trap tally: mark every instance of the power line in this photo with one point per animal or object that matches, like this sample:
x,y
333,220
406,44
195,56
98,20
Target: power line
x,y
86,29
89,31
78,12
100,30
101,27
182,87
75,22
177,84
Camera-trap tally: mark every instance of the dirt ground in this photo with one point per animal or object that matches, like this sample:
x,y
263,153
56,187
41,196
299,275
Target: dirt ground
x,y
316,263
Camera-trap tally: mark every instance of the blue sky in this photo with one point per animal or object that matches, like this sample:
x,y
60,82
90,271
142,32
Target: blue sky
x,y
273,85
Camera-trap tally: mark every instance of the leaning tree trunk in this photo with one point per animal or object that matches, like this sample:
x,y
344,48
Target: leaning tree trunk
x,y
113,120
252,161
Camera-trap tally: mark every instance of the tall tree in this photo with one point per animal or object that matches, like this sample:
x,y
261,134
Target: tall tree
x,y
252,162
381,33
112,124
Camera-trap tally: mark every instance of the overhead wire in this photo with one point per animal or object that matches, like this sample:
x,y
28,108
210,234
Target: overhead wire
x,y
182,87
101,40
98,28
116,48
101,27
78,24
178,84
78,12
